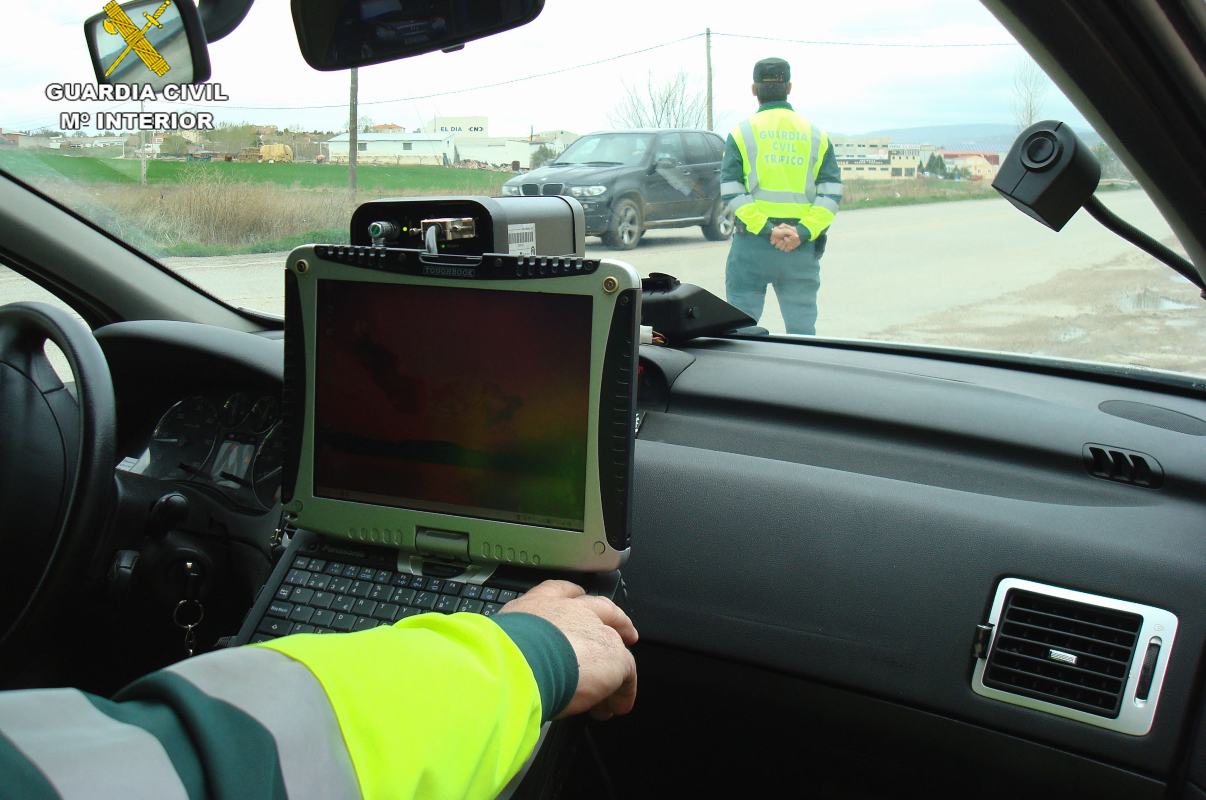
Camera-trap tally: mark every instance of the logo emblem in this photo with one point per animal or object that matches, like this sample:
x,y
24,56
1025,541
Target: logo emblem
x,y
120,24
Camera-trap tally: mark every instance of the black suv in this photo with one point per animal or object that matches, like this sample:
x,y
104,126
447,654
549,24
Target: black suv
x,y
630,181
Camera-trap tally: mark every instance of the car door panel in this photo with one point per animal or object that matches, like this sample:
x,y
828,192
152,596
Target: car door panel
x,y
667,189
704,170
844,517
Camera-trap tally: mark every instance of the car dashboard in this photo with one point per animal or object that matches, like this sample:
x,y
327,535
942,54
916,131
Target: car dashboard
x,y
819,530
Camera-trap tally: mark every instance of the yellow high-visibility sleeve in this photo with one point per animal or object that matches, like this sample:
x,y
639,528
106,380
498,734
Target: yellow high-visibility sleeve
x,y
433,706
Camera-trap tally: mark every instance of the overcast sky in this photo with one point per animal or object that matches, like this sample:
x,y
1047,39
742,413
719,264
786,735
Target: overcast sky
x,y
843,88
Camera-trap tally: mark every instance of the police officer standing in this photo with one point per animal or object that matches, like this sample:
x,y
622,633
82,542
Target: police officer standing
x,y
781,178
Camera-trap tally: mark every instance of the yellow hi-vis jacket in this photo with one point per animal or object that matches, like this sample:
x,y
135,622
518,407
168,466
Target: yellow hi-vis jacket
x,y
781,155
433,706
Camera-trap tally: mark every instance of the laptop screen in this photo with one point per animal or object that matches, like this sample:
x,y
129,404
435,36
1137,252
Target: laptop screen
x,y
453,400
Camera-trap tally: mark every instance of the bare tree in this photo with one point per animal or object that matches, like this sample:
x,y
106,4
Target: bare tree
x,y
670,104
1030,86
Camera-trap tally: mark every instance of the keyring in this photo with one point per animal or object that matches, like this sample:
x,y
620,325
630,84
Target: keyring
x,y
179,606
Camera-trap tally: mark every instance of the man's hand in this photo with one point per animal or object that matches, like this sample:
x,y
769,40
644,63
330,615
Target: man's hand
x,y
784,237
600,634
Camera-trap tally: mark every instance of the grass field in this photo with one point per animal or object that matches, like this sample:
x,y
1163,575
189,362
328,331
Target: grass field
x,y
219,208
876,194
34,165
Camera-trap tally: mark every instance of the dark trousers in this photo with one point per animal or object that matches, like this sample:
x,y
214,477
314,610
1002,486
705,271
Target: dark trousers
x,y
754,264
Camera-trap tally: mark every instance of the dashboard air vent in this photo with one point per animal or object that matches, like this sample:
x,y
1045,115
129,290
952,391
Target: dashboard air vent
x,y
1073,654
1123,466
1086,657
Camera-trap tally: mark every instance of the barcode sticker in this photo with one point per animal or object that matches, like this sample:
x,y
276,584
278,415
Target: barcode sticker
x,y
521,239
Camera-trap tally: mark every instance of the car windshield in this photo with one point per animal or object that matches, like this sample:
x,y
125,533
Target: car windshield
x,y
914,111
607,149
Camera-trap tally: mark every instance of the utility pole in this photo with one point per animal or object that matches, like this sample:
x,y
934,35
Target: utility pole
x,y
708,39
352,135
142,150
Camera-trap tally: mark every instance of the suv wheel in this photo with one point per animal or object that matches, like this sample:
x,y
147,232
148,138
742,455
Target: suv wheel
x,y
721,226
624,233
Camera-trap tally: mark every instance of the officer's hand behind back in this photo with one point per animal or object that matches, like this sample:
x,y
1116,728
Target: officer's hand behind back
x,y
785,237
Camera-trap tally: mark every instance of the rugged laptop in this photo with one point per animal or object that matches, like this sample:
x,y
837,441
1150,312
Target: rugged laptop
x,y
459,428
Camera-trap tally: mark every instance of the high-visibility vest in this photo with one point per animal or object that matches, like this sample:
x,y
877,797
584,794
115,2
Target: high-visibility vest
x,y
781,154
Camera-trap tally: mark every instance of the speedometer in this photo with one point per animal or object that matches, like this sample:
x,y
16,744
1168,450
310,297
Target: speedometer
x,y
234,410
263,413
182,440
268,466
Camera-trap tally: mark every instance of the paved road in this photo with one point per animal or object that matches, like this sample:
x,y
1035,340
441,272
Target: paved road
x,y
970,273
887,266
884,266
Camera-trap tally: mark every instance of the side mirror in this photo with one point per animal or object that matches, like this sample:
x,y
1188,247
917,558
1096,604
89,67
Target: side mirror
x,y
148,42
339,35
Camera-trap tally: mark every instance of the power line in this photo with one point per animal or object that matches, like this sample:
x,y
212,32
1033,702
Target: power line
x,y
533,76
53,124
585,65
831,43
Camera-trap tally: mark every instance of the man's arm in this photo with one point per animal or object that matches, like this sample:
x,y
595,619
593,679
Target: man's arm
x,y
829,196
435,705
732,171
732,177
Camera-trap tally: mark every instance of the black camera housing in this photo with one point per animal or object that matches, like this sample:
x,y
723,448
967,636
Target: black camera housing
x,y
1049,173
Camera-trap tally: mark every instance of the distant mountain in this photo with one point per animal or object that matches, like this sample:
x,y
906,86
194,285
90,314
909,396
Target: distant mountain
x,y
994,138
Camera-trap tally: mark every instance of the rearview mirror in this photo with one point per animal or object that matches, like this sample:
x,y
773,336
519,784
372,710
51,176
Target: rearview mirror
x,y
148,42
359,32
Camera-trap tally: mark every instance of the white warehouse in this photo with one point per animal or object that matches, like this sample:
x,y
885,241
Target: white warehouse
x,y
496,151
435,149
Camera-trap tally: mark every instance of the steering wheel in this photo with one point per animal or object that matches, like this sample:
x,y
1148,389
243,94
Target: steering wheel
x,y
57,448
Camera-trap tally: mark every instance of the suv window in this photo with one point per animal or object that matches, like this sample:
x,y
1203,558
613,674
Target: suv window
x,y
611,148
716,145
670,145
698,151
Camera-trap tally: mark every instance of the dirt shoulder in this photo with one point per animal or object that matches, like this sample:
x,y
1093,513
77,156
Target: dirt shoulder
x,y
1129,310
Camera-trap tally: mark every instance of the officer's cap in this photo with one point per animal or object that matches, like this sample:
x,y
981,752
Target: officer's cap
x,y
772,70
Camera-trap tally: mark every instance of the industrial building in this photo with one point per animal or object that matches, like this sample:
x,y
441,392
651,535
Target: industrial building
x,y
448,141
555,141
976,165
494,151
878,158
435,149
459,126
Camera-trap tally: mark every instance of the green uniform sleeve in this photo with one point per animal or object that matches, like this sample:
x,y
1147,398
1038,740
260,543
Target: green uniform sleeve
x,y
434,706
550,656
732,171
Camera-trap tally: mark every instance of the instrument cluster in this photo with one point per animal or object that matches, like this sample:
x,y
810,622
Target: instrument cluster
x,y
231,443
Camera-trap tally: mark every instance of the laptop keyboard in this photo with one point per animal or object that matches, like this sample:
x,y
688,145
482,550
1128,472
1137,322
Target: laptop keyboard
x,y
322,596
